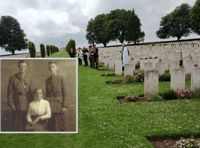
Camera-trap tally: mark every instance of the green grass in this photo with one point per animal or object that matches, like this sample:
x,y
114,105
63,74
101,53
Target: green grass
x,y
103,122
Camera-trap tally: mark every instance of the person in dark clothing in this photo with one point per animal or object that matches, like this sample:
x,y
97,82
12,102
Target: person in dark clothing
x,y
72,53
96,56
89,51
19,96
92,57
85,52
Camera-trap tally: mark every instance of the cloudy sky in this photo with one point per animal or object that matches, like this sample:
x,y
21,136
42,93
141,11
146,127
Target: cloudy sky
x,y
54,21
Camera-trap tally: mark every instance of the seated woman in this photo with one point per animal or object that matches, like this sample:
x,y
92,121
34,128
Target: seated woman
x,y
38,111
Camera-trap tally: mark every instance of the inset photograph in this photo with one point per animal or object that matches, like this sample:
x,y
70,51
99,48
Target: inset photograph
x,y
39,95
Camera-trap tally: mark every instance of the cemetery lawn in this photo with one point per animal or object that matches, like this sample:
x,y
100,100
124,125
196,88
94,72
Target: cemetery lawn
x,y
104,123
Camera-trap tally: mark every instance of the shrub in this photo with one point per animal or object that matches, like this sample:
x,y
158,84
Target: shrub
x,y
166,71
48,50
137,65
187,143
129,79
71,44
140,77
132,98
184,94
196,94
165,77
32,49
42,50
154,97
170,95
188,76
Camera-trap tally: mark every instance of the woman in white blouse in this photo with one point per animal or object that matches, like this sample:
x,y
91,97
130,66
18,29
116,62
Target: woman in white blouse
x,y
38,111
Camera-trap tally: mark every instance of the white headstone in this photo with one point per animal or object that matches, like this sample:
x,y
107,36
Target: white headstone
x,y
189,64
118,67
128,70
195,78
151,79
174,65
148,66
177,79
161,67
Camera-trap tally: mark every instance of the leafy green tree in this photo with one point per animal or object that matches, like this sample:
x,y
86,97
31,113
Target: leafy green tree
x,y
12,37
90,35
42,50
176,24
71,44
117,20
134,33
195,17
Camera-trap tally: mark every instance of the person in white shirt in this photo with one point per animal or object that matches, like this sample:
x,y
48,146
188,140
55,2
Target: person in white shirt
x,y
124,56
79,56
39,110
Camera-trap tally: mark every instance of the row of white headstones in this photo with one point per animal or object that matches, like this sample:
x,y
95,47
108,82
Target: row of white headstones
x,y
167,59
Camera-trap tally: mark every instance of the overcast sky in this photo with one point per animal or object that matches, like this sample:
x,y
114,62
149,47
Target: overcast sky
x,y
54,21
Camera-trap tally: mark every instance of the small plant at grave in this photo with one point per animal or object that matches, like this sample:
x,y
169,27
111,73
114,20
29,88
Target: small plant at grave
x,y
141,58
195,93
132,58
181,62
140,77
154,97
187,143
129,79
150,57
188,76
184,94
165,77
116,81
108,74
137,65
195,65
166,71
132,98
170,95
136,72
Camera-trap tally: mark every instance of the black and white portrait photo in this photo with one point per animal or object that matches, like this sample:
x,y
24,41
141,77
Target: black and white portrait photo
x,y
39,95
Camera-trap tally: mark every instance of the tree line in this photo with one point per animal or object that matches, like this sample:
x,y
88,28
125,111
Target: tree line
x,y
119,25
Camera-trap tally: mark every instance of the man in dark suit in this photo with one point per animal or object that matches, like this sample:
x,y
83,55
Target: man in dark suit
x,y
56,94
85,53
19,96
72,53
96,56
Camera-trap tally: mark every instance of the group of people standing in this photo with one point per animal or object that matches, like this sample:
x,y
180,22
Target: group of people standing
x,y
91,53
32,110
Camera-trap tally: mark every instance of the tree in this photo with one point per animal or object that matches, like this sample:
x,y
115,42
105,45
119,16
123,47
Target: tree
x,y
12,37
133,24
176,24
117,24
90,35
71,44
42,50
195,18
51,49
48,50
32,49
